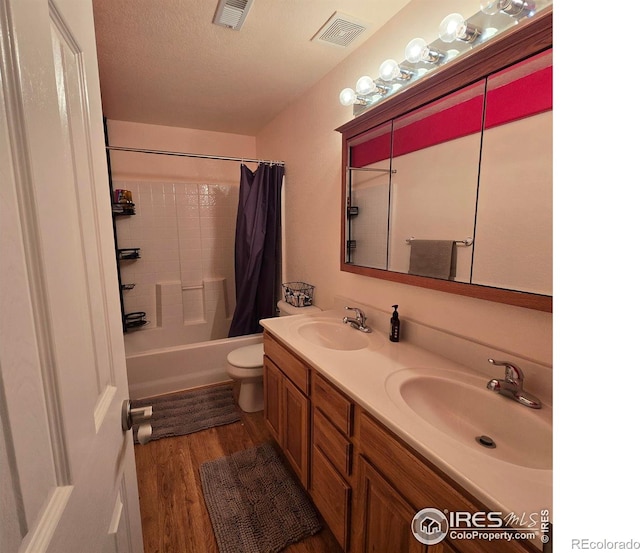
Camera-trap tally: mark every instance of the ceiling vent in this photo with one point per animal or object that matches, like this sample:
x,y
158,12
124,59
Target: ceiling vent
x,y
232,13
340,30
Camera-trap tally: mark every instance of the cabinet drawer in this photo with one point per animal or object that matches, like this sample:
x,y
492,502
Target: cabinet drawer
x,y
286,361
332,496
334,404
333,444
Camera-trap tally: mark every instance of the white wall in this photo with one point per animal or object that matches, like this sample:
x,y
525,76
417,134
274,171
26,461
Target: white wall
x,y
304,136
137,166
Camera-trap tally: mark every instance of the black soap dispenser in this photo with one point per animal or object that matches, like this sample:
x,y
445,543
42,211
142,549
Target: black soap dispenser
x,y
394,331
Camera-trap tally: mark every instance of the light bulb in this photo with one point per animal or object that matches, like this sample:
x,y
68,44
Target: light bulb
x,y
413,51
365,85
418,50
347,97
389,70
454,27
449,27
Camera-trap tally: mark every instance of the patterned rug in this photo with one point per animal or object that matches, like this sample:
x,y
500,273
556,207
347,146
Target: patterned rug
x,y
190,411
255,505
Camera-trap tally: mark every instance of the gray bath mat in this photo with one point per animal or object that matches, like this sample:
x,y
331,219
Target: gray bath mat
x,y
254,504
190,411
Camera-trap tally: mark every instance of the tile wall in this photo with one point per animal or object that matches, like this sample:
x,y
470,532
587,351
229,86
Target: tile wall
x,y
186,235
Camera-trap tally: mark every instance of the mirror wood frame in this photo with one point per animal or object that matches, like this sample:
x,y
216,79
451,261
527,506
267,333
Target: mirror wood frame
x,y
520,42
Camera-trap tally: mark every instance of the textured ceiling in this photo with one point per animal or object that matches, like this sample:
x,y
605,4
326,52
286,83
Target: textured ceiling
x,y
163,61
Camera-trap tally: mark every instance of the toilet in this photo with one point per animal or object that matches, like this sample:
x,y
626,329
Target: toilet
x,y
245,365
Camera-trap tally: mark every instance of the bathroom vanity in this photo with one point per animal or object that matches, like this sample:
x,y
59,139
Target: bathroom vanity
x,y
338,403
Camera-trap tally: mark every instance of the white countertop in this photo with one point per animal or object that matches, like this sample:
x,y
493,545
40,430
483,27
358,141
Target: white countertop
x,y
362,375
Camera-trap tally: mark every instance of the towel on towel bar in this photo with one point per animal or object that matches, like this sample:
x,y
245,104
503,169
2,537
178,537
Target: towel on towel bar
x,y
433,258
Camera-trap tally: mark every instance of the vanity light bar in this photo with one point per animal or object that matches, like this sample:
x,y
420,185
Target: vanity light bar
x,y
422,59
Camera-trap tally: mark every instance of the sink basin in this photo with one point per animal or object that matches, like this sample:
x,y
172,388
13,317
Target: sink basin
x,y
333,335
464,409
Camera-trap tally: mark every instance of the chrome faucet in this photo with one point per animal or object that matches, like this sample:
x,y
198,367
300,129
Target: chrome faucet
x,y
359,322
512,385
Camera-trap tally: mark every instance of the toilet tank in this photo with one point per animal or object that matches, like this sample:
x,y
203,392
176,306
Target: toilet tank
x,y
288,309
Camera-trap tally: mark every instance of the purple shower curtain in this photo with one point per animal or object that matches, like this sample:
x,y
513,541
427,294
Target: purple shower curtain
x,y
257,254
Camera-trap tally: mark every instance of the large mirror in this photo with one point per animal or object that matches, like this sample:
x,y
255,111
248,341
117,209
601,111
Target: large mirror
x,y
513,238
455,193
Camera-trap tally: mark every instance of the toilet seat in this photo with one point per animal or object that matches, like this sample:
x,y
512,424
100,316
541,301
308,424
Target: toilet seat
x,y
247,357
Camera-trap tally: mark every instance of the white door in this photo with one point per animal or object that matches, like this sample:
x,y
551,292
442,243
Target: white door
x,y
67,472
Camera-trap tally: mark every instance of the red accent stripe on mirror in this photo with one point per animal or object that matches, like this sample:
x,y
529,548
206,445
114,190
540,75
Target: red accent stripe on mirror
x,y
520,91
524,97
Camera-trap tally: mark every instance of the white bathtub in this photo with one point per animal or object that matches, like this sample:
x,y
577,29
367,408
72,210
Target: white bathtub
x,y
171,369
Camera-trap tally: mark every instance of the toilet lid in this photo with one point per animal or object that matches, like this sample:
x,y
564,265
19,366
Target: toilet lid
x,y
247,357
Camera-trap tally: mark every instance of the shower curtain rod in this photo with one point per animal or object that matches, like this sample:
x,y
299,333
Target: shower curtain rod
x,y
200,156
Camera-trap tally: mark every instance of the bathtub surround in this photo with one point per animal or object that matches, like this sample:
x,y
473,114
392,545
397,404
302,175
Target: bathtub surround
x,y
254,504
184,225
185,235
189,411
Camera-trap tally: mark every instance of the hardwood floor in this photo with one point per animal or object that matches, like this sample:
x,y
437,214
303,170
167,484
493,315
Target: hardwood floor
x,y
174,515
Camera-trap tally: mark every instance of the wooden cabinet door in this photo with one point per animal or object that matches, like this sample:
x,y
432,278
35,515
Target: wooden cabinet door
x,y
272,399
295,429
382,519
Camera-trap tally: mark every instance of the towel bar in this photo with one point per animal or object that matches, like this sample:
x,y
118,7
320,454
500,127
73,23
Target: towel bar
x,y
372,169
466,242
